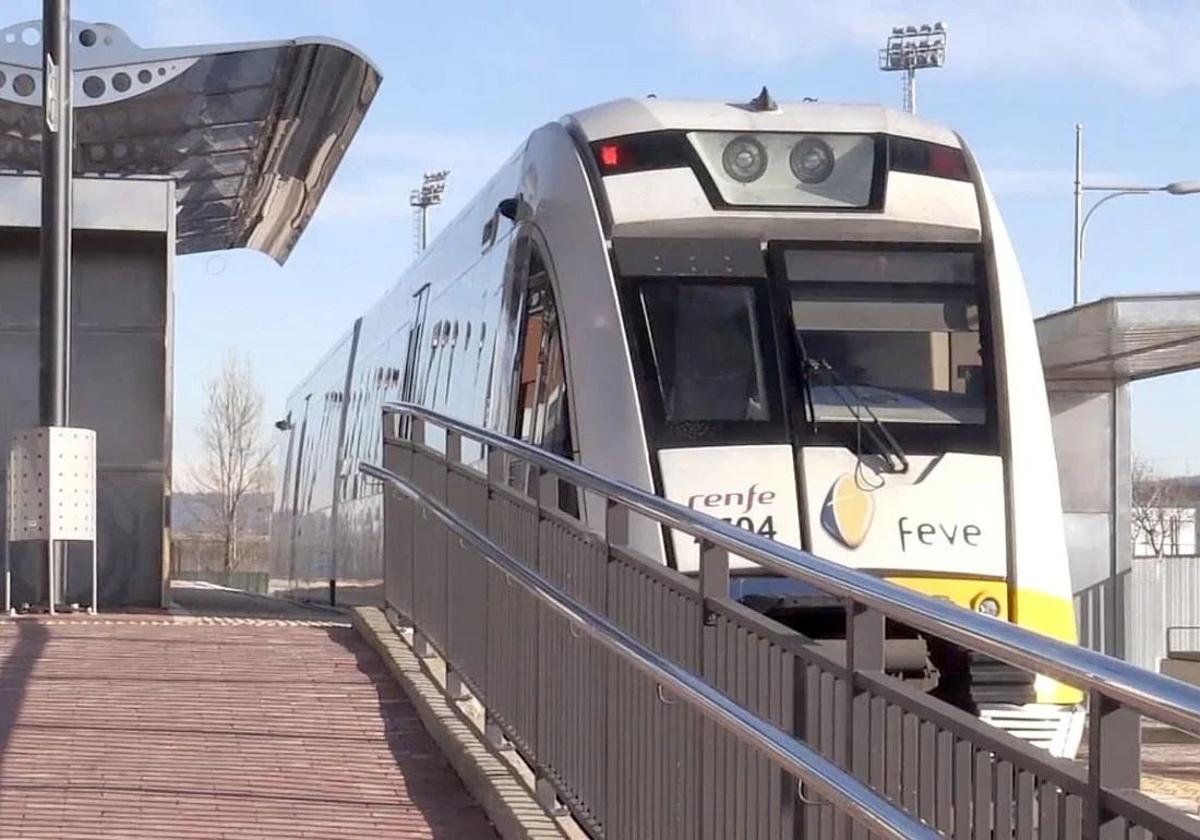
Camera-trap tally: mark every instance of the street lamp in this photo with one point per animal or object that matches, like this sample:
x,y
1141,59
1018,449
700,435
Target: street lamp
x,y
1114,191
912,48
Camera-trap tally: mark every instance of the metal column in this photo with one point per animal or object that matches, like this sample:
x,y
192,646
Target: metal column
x,y
57,140
1078,254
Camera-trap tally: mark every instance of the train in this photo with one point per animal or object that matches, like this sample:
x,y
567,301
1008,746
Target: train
x,y
804,318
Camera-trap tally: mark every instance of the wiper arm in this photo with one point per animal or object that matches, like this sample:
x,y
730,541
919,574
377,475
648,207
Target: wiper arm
x,y
806,381
894,458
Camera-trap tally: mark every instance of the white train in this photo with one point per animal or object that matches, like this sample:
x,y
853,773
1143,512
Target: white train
x,y
804,318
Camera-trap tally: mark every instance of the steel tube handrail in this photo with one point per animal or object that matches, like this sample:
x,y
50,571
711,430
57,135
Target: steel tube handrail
x,y
1162,698
837,786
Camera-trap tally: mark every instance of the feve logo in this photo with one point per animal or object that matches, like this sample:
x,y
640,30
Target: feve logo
x,y
847,512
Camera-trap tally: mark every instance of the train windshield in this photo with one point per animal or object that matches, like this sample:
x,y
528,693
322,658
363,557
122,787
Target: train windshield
x,y
707,351
706,359
897,331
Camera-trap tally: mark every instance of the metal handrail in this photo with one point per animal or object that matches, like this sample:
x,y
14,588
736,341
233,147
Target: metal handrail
x,y
837,786
1162,698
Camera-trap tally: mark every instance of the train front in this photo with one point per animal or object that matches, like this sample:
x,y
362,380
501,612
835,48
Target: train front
x,y
834,349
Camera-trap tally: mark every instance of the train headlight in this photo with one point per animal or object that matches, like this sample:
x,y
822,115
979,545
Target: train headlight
x,y
988,606
788,169
744,159
811,160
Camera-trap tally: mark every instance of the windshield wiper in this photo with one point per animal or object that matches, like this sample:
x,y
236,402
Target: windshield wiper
x,y
886,446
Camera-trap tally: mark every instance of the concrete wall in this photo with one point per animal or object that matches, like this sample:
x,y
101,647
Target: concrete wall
x,y
120,377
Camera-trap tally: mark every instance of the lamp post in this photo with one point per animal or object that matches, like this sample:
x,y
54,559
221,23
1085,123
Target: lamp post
x,y
1113,191
58,134
912,48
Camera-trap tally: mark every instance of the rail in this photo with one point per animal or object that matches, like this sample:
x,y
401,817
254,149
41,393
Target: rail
x,y
845,792
1117,692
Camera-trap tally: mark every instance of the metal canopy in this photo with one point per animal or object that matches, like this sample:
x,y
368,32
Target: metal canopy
x,y
250,133
1120,338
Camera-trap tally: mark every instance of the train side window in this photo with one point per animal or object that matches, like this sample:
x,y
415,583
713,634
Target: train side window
x,y
542,411
543,415
553,430
529,360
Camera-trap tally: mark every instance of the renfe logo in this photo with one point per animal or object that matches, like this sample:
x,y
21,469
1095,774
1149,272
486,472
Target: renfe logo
x,y
749,498
743,505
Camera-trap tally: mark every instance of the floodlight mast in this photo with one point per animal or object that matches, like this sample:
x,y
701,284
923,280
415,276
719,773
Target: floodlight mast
x,y
430,193
912,48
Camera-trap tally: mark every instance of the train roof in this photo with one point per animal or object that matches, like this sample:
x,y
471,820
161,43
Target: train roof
x,y
635,116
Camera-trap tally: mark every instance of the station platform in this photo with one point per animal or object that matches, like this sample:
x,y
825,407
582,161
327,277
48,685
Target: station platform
x,y
226,716
1171,774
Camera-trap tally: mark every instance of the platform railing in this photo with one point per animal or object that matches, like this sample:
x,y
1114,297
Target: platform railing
x,y
654,705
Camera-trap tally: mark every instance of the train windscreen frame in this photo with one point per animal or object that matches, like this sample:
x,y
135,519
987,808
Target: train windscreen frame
x,y
890,303
705,358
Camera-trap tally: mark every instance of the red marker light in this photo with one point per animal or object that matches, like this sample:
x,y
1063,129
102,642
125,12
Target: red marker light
x,y
945,162
610,155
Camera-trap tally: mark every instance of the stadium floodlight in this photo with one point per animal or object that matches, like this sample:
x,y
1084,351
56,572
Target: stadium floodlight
x,y
911,48
429,194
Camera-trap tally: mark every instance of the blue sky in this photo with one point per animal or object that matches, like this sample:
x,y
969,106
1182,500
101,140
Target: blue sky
x,y
465,81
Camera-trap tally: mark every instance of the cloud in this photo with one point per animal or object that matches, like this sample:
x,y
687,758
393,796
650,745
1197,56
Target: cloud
x,y
1145,46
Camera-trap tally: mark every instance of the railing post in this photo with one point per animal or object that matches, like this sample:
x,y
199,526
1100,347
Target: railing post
x,y
864,652
616,524
616,533
497,473
495,465
415,511
452,456
1114,761
714,583
543,491
453,446
714,574
546,493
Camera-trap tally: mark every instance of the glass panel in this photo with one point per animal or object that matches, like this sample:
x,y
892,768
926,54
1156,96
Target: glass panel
x,y
911,349
768,175
554,432
880,267
531,344
707,351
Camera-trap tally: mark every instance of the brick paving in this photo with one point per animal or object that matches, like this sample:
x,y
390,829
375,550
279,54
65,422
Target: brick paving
x,y
1171,773
195,727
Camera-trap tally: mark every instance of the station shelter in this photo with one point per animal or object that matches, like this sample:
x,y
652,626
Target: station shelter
x,y
181,150
1091,355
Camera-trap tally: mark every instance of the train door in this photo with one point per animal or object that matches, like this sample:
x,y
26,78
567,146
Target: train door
x,y
408,385
413,351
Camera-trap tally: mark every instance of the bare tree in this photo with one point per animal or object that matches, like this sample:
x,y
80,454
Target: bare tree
x,y
235,451
1155,510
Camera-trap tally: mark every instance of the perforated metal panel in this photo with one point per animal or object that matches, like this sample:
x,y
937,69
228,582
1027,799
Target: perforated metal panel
x,y
52,485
